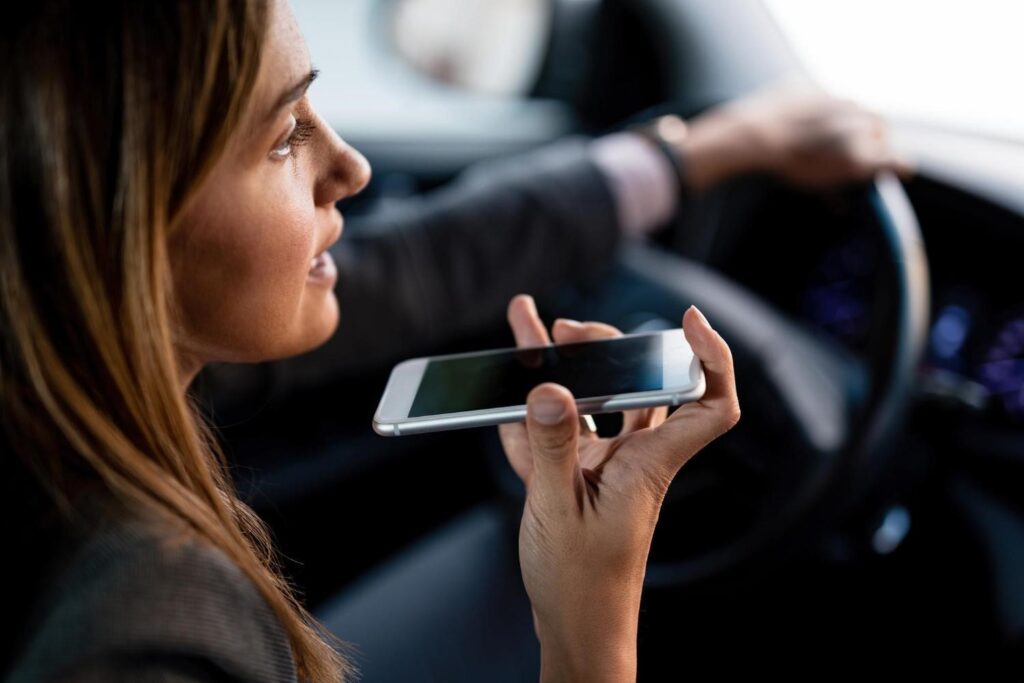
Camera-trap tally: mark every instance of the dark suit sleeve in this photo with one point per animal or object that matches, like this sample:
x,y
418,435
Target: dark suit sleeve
x,y
424,270
130,608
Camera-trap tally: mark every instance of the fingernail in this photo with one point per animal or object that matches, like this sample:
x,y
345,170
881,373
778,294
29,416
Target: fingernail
x,y
548,411
701,315
570,322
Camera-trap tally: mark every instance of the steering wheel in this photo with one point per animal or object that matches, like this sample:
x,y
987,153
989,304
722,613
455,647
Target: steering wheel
x,y
818,420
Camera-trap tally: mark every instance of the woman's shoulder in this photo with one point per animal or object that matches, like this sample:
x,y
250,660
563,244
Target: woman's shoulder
x,y
134,601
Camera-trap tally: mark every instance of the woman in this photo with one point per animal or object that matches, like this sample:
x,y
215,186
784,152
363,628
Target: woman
x,y
168,196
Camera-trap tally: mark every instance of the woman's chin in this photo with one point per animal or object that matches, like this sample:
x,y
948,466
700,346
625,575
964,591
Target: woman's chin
x,y
310,329
326,324
314,329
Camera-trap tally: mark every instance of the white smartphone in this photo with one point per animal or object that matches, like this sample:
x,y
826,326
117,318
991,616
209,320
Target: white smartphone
x,y
490,387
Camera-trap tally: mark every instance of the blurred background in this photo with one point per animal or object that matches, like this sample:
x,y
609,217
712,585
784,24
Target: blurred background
x,y
869,509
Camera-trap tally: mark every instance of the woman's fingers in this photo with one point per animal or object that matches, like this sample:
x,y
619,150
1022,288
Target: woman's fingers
x,y
715,357
528,330
567,331
516,444
696,424
552,426
526,323
635,420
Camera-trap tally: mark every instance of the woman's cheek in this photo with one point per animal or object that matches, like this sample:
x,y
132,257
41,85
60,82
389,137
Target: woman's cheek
x,y
284,257
244,279
288,216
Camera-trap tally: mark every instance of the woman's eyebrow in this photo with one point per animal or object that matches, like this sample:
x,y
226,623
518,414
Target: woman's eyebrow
x,y
292,94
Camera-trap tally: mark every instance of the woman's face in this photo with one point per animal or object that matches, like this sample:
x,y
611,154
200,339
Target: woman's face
x,y
252,276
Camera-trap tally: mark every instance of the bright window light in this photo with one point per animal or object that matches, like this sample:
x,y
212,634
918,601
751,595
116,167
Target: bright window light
x,y
951,63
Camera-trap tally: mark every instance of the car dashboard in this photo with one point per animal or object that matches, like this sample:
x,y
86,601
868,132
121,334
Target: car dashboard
x,y
811,257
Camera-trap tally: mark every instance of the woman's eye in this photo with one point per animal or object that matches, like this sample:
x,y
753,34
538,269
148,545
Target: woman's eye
x,y
300,134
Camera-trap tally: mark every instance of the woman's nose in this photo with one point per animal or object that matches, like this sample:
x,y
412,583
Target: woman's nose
x,y
344,171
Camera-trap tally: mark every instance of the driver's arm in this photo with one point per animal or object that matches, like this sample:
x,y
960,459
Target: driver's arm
x,y
432,268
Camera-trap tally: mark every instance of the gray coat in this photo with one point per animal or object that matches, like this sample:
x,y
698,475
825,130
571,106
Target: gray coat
x,y
123,607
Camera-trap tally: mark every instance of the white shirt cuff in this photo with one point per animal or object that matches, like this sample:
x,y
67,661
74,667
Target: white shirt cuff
x,y
643,182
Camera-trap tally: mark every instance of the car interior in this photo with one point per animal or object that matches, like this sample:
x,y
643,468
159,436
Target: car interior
x,y
865,515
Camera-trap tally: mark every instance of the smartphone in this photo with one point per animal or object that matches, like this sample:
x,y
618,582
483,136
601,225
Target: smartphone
x,y
490,387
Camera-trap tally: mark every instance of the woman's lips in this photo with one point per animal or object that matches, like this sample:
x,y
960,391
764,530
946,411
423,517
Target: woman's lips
x,y
323,271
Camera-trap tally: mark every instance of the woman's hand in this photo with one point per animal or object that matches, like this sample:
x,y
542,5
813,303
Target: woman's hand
x,y
801,134
592,503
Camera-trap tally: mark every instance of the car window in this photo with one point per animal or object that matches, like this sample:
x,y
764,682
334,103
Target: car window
x,y
952,63
486,46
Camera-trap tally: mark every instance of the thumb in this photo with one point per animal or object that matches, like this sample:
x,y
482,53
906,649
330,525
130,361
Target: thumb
x,y
553,429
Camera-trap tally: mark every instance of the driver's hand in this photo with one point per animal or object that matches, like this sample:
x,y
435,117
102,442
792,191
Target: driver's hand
x,y
801,134
592,503
816,140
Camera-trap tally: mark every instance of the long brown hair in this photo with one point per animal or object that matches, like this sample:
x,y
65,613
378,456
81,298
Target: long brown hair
x,y
111,115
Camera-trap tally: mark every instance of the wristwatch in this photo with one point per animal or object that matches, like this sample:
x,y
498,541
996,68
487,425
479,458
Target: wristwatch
x,y
667,134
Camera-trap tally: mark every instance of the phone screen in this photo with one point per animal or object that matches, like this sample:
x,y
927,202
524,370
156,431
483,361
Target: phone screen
x,y
504,378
